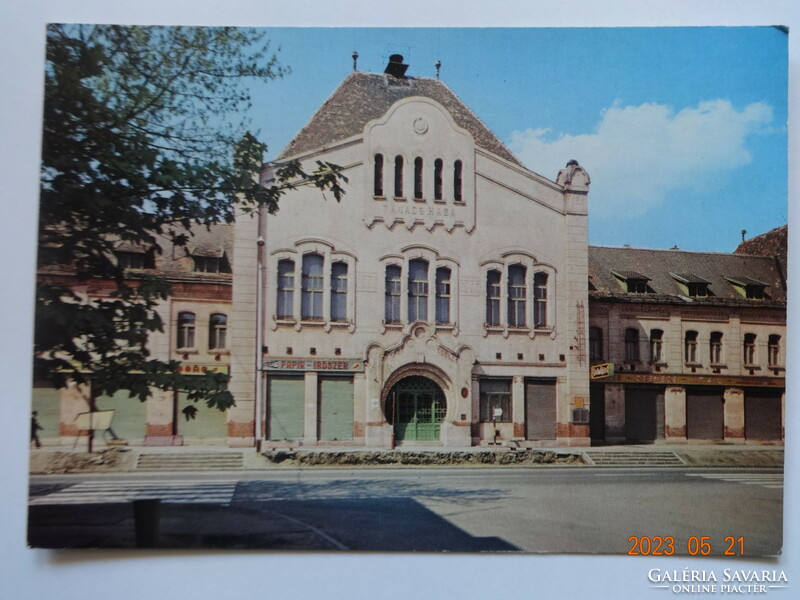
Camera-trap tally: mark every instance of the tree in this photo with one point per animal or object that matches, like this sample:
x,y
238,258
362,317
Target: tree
x,y
143,140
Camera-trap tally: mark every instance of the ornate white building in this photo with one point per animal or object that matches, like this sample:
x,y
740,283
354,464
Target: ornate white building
x,y
443,301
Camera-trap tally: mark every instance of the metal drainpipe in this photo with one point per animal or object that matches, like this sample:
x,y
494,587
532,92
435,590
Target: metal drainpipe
x,y
259,329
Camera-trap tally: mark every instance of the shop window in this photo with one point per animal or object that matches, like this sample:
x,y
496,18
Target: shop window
x,y
417,290
398,176
596,344
631,345
495,394
493,297
418,178
312,286
217,331
517,296
540,300
774,357
690,347
186,329
378,177
285,289
715,348
443,275
393,286
656,346
438,165
749,356
339,291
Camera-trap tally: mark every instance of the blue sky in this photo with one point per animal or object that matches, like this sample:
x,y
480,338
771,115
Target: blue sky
x,y
683,129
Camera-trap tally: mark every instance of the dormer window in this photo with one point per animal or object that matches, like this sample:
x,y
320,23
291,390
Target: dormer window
x,y
633,282
210,264
692,285
134,260
752,289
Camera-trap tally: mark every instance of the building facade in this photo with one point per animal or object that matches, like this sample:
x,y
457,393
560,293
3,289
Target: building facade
x,y
443,301
195,333
687,346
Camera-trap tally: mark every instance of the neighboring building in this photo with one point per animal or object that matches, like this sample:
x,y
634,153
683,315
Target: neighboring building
x,y
196,321
443,301
697,341
774,243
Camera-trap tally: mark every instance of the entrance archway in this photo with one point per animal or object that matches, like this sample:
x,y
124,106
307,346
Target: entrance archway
x,y
416,407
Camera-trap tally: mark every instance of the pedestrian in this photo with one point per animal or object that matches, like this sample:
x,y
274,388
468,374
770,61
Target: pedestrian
x,y
35,429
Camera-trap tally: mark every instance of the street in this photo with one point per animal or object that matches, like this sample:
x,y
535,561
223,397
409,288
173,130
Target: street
x,y
552,510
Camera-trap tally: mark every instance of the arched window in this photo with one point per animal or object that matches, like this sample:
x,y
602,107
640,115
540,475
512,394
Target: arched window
x,y
749,349
418,178
517,296
438,165
443,275
656,346
393,286
312,287
285,289
690,347
540,300
774,357
715,348
339,291
417,290
186,323
457,172
631,345
217,331
378,175
493,297
398,176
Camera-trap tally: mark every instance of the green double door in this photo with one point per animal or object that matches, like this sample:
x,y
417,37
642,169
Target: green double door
x,y
420,408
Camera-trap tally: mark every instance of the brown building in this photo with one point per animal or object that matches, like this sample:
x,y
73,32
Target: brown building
x,y
196,319
686,346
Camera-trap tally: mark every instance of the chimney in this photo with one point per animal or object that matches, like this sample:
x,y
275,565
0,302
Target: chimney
x,y
396,68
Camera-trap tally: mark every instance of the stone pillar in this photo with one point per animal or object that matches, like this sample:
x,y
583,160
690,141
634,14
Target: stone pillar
x,y
675,414
73,400
615,413
360,407
243,324
734,415
310,414
518,406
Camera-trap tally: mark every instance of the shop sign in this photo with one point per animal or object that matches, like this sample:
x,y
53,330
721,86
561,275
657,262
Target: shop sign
x,y
602,370
190,369
314,364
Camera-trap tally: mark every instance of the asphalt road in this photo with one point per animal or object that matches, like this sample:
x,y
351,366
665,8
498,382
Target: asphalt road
x,y
552,510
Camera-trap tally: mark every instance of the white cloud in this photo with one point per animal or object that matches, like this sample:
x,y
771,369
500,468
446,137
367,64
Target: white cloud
x,y
639,153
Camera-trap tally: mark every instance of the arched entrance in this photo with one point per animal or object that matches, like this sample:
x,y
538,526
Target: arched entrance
x,y
416,407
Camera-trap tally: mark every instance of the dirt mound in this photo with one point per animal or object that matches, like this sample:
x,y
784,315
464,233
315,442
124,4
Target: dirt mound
x,y
52,463
338,459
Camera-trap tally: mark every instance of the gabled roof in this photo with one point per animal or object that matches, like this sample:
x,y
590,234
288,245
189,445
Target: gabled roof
x,y
362,97
666,268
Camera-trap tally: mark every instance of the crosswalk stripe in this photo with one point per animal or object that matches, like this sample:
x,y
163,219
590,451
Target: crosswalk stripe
x,y
104,492
772,481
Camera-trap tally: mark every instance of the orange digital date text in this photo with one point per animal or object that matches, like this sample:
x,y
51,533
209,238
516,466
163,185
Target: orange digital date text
x,y
695,545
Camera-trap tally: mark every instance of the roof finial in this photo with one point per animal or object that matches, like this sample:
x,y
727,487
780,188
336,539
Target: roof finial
x,y
744,233
438,65
355,60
